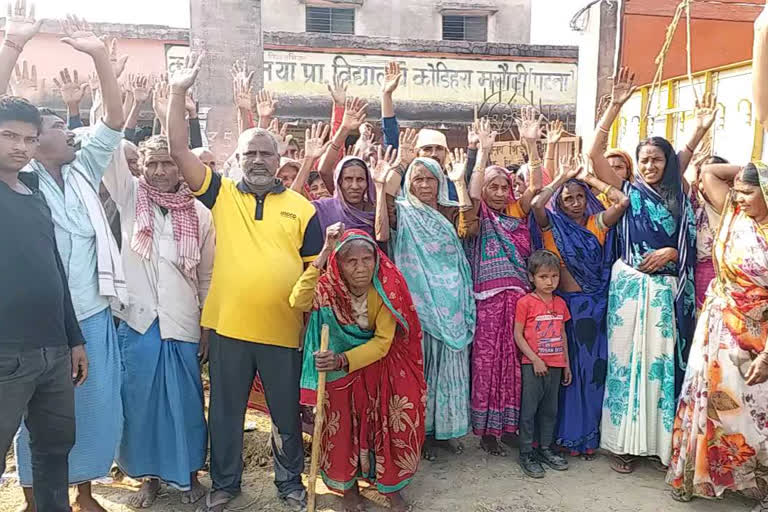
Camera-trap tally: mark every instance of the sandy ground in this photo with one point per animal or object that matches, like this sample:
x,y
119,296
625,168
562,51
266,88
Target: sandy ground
x,y
472,482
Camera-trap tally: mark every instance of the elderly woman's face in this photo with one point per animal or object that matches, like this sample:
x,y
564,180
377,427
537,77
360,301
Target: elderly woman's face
x,y
424,184
496,193
356,265
132,157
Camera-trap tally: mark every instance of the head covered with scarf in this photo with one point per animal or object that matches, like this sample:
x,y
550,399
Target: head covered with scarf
x,y
428,251
660,215
337,209
181,205
625,157
499,253
387,398
588,261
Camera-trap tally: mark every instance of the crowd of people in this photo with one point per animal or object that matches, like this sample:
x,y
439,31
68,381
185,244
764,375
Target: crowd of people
x,y
600,301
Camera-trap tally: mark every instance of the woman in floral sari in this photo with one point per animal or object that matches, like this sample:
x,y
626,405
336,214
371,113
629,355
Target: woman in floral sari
x,y
498,256
577,228
375,392
429,253
721,427
651,307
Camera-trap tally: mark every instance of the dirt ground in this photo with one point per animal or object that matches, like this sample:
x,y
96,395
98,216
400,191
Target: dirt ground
x,y
472,482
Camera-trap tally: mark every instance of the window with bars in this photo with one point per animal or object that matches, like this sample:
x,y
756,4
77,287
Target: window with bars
x,y
465,28
329,20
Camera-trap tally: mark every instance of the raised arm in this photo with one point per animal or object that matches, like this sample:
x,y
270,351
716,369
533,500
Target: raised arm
x,y
381,168
193,122
554,134
623,89
705,113
457,175
529,125
716,180
243,95
72,92
160,98
355,113
314,146
760,67
139,85
180,82
80,37
20,27
569,168
266,106
392,78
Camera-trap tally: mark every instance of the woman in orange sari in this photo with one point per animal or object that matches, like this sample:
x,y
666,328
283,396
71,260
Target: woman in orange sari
x,y
721,427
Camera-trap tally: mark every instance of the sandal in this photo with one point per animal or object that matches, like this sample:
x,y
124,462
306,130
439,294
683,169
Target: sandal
x,y
761,506
589,456
681,496
622,464
211,504
297,500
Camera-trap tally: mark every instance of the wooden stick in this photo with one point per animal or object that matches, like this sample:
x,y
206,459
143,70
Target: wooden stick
x,y
317,437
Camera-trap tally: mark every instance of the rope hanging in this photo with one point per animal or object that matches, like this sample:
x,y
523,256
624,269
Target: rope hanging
x,y
684,6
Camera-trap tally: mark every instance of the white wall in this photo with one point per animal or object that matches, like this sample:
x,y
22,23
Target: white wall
x,y
407,19
586,97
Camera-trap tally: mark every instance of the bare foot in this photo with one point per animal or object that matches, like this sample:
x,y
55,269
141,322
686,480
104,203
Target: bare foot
x,y
87,503
197,491
491,445
29,498
428,451
456,446
397,503
352,500
146,495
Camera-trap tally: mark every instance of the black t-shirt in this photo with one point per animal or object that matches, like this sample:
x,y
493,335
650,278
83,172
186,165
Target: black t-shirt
x,y
35,306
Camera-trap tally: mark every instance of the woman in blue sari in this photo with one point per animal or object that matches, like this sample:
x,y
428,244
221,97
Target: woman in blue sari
x,y
651,308
578,229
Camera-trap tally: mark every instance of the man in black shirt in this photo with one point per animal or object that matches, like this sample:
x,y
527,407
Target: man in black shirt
x,y
41,346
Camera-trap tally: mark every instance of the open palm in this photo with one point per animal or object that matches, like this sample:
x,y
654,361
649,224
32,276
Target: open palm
x,y
184,76
20,27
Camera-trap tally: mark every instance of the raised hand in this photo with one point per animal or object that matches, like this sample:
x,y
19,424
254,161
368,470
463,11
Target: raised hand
x,y
379,167
315,143
355,113
705,111
472,139
241,85
266,105
20,27
333,235
569,168
554,131
24,82
407,149
458,165
392,77
93,82
486,135
80,36
70,88
623,86
160,96
338,91
118,63
529,124
139,86
183,77
281,135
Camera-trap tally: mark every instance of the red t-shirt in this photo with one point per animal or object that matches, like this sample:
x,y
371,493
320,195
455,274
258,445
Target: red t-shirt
x,y
543,327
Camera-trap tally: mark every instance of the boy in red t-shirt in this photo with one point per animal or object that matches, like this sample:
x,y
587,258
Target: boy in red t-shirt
x,y
540,319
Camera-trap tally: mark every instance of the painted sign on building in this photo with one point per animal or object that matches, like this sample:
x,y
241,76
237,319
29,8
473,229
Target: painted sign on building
x,y
174,56
424,79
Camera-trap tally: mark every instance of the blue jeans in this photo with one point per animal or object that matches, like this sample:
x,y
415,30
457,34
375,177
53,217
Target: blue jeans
x,y
36,384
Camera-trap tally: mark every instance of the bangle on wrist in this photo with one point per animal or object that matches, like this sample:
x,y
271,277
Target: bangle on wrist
x,y
534,163
689,148
605,130
607,189
10,44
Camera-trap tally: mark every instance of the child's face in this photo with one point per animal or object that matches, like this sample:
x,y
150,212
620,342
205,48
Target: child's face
x,y
546,280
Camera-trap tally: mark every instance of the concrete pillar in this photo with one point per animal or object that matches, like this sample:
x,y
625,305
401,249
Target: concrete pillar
x,y
227,30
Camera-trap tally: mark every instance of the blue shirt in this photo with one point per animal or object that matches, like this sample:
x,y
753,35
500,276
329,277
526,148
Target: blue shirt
x,y
75,236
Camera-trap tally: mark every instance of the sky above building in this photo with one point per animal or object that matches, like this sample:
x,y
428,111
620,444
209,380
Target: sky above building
x,y
549,18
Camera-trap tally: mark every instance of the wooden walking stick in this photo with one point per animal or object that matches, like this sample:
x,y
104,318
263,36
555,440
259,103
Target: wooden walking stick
x,y
319,417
